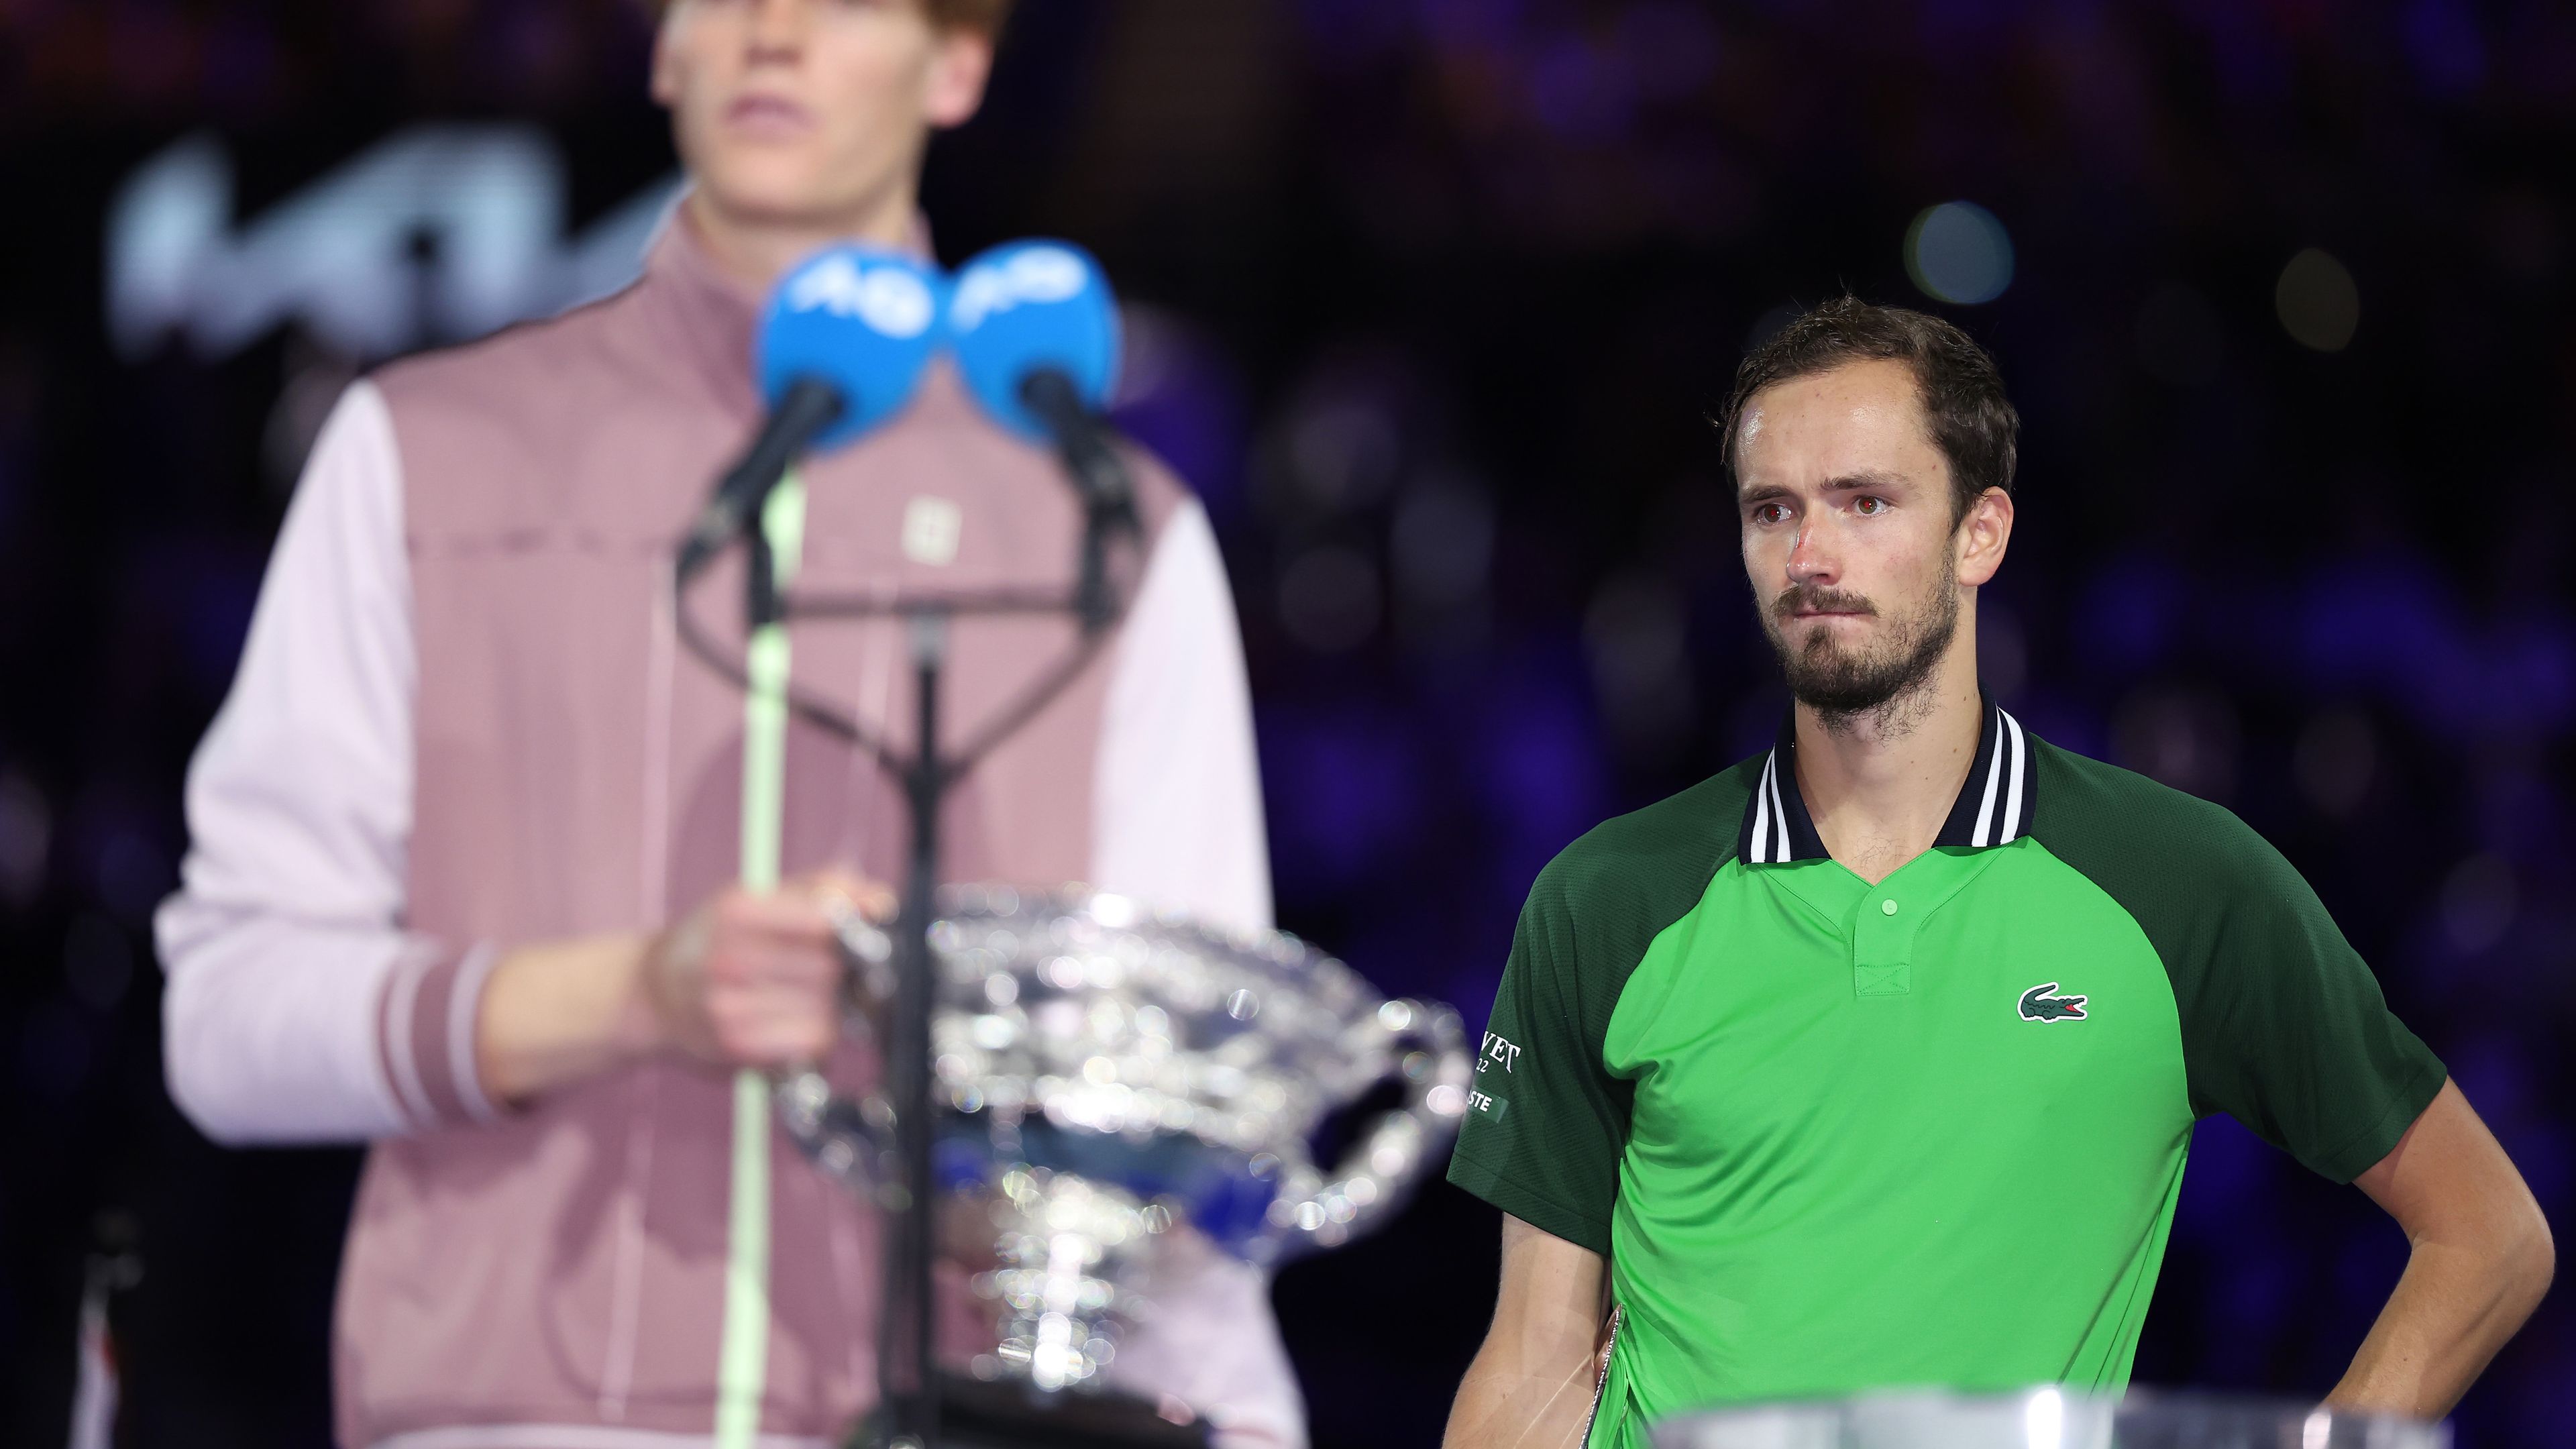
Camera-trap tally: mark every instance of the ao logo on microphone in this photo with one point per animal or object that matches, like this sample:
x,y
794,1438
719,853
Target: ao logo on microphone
x,y
893,301
1033,274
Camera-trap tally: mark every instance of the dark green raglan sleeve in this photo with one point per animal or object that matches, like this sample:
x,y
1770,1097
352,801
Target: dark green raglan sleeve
x,y
1546,1121
2284,1027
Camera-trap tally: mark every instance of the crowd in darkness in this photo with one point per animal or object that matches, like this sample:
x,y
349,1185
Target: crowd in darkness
x,y
1431,299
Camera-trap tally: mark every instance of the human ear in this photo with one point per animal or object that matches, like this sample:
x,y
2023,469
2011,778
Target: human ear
x,y
961,61
1983,536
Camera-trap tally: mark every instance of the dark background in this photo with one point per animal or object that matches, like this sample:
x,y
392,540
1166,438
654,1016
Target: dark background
x,y
1432,297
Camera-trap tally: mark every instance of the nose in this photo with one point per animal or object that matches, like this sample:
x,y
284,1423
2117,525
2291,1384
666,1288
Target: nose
x,y
778,28
1812,559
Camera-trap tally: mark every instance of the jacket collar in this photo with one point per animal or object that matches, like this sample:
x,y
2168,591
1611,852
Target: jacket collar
x,y
710,317
1995,806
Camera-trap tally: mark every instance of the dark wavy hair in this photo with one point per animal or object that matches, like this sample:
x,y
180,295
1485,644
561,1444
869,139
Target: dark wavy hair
x,y
1973,423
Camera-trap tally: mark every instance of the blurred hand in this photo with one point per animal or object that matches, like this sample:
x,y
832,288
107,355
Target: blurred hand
x,y
744,980
754,979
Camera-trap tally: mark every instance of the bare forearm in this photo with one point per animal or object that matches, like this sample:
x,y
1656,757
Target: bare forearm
x,y
1515,1399
560,1013
2453,1309
1532,1383
2482,1257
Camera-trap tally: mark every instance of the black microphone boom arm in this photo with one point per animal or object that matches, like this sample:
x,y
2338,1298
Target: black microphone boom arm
x,y
1099,476
807,407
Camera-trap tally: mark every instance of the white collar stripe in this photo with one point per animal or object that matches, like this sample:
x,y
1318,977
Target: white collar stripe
x,y
1762,814
1994,777
1779,814
2020,771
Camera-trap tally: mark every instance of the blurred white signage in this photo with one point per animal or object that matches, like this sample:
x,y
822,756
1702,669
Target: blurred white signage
x,y
439,233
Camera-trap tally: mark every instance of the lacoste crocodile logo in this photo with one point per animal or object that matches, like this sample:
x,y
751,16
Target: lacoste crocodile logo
x,y
2038,1005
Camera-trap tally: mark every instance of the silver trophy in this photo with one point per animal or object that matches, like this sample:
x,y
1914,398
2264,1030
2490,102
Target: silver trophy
x,y
2044,1418
1108,1074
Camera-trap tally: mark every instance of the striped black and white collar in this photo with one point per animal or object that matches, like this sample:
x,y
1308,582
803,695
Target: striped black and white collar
x,y
1994,807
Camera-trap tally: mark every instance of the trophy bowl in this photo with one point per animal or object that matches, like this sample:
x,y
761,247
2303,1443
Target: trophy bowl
x,y
1107,1074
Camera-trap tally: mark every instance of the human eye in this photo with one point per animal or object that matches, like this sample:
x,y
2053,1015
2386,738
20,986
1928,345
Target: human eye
x,y
1766,514
1870,505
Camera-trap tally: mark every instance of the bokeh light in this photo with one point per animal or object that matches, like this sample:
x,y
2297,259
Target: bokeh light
x,y
26,830
2318,303
2478,902
1958,252
2180,340
2334,761
1328,598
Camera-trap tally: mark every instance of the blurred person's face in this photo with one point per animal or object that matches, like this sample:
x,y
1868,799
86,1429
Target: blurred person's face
x,y
1850,541
811,113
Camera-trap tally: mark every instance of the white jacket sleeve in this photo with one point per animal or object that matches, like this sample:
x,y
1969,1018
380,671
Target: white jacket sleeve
x,y
297,1009
1178,821
1179,827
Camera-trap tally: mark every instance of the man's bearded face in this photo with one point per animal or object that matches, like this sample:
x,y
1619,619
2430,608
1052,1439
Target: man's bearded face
x,y
1851,536
1841,673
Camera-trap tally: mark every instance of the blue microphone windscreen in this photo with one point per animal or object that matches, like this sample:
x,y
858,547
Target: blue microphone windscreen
x,y
864,320
1028,305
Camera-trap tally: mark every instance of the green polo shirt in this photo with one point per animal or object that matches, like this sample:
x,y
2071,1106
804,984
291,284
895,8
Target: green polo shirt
x,y
1834,1136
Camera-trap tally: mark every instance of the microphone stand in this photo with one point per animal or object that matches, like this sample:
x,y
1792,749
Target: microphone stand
x,y
907,1364
909,1384
1100,478
907,1368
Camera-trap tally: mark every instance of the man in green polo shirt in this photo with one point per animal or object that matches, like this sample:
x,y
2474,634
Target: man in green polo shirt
x,y
1873,1061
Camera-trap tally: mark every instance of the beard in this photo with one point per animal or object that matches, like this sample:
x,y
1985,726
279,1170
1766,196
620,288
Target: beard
x,y
1846,683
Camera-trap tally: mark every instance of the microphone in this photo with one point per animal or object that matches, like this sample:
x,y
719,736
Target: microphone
x,y
1036,334
841,349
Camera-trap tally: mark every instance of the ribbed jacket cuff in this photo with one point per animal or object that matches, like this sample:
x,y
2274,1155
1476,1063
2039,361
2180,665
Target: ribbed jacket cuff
x,y
425,1033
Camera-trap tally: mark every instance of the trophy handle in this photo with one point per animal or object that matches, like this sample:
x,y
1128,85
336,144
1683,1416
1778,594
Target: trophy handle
x,y
1424,1046
851,1141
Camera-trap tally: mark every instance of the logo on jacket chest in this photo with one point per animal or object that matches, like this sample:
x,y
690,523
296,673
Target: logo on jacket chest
x,y
931,528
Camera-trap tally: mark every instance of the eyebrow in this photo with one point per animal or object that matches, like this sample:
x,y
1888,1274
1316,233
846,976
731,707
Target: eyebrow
x,y
1846,483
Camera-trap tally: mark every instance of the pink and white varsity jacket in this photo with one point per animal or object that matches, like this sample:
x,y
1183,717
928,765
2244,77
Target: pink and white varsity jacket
x,y
462,723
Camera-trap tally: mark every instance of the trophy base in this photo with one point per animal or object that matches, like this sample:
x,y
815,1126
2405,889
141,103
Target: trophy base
x,y
974,1414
